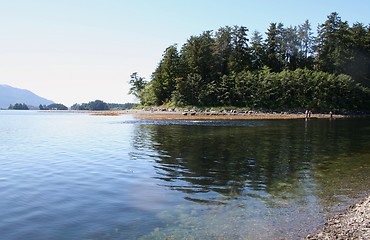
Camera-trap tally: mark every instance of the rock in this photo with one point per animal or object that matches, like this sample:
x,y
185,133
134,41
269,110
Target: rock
x,y
353,224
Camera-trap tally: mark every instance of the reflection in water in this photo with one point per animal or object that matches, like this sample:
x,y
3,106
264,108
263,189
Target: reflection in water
x,y
282,163
121,178
233,160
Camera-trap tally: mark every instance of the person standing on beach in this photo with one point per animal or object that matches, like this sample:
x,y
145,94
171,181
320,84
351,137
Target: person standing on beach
x,y
308,113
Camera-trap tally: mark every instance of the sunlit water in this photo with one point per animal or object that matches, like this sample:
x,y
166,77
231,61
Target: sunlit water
x,y
78,176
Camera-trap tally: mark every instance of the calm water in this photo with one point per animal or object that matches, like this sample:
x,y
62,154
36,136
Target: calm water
x,y
77,176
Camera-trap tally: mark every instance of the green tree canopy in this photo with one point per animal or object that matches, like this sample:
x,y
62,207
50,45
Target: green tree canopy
x,y
96,105
289,68
53,106
137,84
18,106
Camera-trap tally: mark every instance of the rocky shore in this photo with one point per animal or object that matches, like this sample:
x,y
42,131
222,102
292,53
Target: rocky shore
x,y
157,113
353,224
185,114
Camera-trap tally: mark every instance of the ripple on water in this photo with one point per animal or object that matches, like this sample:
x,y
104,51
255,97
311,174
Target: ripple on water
x,y
214,123
75,176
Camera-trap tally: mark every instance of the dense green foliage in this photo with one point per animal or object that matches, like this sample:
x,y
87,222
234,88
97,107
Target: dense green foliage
x,y
18,106
96,105
53,106
100,105
121,106
290,68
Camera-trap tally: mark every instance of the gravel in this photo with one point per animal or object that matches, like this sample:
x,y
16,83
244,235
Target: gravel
x,y
353,224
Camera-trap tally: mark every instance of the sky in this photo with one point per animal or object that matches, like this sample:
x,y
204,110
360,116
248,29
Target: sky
x,y
76,51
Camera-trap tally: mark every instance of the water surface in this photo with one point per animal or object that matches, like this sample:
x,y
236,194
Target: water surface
x,y
77,176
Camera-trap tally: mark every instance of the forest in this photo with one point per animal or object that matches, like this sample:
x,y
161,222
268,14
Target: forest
x,y
99,105
18,106
284,68
53,106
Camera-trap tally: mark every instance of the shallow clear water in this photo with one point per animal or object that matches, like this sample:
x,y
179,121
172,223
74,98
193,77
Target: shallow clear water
x,y
77,176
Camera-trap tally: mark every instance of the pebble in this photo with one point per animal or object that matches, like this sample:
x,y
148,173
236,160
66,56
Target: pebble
x,y
353,224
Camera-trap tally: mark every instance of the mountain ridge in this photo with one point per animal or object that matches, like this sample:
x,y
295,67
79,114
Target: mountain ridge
x,y
12,95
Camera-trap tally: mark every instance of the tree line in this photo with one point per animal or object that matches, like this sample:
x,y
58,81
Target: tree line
x,y
92,105
288,68
96,105
53,106
18,106
99,105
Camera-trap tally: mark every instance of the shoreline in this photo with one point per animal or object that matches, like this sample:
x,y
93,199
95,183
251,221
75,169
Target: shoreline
x,y
229,116
174,114
354,223
219,115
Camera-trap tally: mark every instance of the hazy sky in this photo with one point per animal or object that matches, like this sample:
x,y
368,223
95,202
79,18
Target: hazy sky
x,y
74,51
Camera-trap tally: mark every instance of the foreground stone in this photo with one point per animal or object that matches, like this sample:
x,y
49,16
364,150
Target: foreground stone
x,y
353,224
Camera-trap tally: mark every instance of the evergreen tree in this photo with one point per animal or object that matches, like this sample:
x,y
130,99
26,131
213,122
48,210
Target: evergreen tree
x,y
273,48
240,58
197,57
257,51
164,77
54,106
222,50
306,43
226,69
332,45
359,65
18,106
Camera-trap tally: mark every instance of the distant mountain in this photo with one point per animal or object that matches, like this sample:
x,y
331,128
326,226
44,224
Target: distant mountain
x,y
10,95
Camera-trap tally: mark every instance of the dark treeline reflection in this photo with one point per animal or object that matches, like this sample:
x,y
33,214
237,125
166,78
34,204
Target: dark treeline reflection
x,y
252,158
